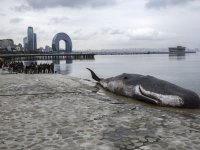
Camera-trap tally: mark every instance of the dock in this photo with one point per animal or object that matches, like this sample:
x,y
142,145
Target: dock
x,y
48,56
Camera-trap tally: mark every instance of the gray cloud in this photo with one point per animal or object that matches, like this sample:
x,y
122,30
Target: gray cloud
x,y
83,35
2,33
106,30
56,20
114,32
146,34
157,4
77,31
41,4
2,14
22,8
16,20
137,34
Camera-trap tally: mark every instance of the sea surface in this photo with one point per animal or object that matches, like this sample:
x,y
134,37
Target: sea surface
x,y
183,70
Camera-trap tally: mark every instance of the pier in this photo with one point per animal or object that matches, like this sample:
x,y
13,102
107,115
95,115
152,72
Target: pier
x,y
48,56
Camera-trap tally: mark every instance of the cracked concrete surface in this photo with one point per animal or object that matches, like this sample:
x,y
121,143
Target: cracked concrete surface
x,y
56,112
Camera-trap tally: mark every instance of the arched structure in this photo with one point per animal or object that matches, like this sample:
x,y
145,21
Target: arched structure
x,y
64,37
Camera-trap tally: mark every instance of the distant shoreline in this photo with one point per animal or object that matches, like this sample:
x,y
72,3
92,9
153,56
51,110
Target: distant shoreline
x,y
137,53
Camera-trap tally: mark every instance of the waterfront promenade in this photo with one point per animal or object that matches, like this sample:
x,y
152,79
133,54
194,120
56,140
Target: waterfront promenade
x,y
56,112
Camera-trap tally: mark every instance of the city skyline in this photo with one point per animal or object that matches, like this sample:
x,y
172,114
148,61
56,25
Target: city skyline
x,y
95,24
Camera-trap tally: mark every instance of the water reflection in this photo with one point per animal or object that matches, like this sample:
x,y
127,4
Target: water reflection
x,y
56,62
63,67
28,63
178,56
60,66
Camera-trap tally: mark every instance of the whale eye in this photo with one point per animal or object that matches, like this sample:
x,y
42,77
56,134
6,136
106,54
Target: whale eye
x,y
125,77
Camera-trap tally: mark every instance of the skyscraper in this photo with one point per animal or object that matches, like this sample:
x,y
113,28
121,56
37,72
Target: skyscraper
x,y
35,41
30,42
30,33
25,41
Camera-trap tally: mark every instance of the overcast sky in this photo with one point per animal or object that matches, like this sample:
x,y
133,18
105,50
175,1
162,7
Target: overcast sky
x,y
99,24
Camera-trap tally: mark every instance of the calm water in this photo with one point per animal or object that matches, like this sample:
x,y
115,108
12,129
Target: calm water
x,y
181,70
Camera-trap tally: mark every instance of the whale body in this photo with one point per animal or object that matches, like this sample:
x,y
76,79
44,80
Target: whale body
x,y
149,89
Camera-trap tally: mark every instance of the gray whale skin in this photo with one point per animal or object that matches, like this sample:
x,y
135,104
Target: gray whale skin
x,y
149,89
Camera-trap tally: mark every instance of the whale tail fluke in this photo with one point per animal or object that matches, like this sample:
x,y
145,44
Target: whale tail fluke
x,y
94,76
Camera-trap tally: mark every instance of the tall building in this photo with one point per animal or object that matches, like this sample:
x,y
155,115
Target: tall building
x,y
25,42
30,39
35,41
30,42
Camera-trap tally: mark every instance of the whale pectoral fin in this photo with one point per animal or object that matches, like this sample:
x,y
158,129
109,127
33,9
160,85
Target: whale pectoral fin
x,y
140,95
160,99
150,98
146,99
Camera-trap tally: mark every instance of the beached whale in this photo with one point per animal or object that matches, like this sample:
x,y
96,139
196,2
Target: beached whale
x,y
149,89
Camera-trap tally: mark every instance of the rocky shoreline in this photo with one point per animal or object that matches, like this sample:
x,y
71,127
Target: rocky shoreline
x,y
57,112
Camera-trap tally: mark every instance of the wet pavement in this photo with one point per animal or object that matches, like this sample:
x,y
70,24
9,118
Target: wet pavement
x,y
56,112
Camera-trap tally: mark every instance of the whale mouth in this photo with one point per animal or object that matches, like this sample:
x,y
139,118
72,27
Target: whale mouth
x,y
160,99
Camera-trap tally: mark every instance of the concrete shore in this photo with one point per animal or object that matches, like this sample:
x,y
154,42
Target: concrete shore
x,y
57,112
